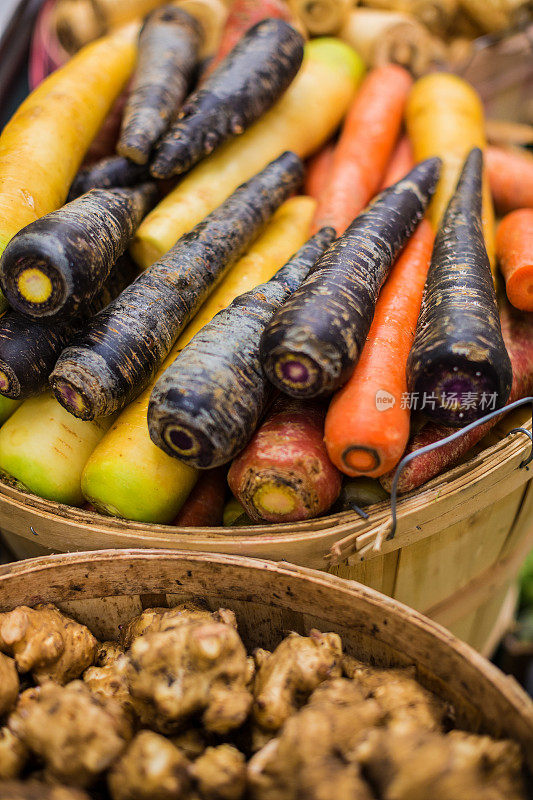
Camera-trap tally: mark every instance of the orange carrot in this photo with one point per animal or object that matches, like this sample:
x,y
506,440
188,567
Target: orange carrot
x,y
244,14
366,142
514,248
510,171
367,425
318,170
401,162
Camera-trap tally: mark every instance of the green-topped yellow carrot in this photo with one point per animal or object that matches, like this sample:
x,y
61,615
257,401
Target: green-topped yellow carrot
x,y
29,348
127,475
122,347
168,53
444,118
312,344
43,145
57,264
7,407
458,363
284,473
43,449
243,87
302,120
111,172
206,404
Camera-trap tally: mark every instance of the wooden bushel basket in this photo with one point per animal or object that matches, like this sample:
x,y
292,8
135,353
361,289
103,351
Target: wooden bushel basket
x,y
460,540
106,589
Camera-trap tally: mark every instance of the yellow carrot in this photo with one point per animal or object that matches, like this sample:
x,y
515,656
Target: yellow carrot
x,y
302,120
445,118
43,448
43,145
127,475
7,407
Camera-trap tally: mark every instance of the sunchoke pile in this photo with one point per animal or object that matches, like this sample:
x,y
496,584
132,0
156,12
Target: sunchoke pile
x,y
177,709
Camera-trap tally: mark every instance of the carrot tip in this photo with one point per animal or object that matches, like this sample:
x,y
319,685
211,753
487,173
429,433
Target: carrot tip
x,y
34,285
295,372
272,497
361,459
519,287
72,399
181,440
9,384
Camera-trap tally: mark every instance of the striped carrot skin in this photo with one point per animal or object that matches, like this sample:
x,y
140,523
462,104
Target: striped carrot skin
x,y
112,172
458,351
246,84
312,344
517,330
243,15
122,347
367,428
206,405
59,262
30,348
168,55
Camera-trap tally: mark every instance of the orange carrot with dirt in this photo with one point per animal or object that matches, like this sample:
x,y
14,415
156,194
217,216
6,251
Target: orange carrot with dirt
x,y
367,425
401,162
366,142
204,506
510,171
514,248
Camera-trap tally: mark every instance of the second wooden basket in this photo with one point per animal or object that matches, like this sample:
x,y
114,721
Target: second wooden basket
x,y
459,544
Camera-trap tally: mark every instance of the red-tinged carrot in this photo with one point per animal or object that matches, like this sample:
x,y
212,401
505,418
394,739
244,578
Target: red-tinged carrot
x,y
56,264
284,474
400,163
206,405
246,84
312,344
367,425
243,15
122,347
112,172
204,506
458,349
365,145
514,248
318,170
168,53
510,171
517,329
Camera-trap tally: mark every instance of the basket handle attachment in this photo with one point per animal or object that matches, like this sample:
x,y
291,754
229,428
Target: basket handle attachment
x,y
387,530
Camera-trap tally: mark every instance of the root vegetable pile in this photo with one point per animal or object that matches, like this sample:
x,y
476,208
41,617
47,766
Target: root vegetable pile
x,y
176,708
184,339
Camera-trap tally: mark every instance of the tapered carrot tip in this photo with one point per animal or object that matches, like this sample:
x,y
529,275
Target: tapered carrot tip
x,y
360,459
519,288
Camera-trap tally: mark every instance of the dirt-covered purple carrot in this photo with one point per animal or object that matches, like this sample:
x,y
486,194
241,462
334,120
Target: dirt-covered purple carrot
x,y
112,172
29,348
59,262
120,350
206,405
168,55
312,344
247,83
459,355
